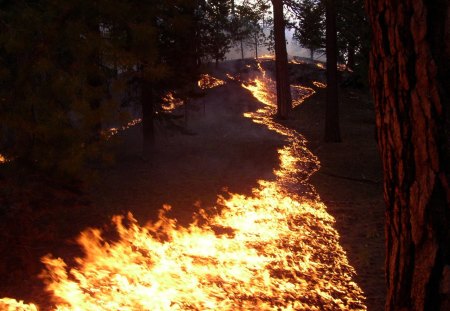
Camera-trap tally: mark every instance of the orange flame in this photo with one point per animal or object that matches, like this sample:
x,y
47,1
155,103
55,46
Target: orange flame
x,y
274,250
320,65
208,82
9,304
319,84
170,102
267,57
2,159
115,130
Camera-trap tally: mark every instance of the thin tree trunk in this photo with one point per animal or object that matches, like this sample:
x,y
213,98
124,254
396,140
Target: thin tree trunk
x,y
410,76
332,129
242,49
256,48
284,102
311,54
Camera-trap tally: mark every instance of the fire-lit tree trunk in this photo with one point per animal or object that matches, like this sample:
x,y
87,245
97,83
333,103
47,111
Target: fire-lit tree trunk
x,y
410,79
332,129
284,102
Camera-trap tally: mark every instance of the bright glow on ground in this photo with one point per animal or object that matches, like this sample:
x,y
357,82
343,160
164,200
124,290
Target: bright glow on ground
x,y
274,250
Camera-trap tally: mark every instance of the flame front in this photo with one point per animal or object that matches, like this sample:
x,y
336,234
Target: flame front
x,y
2,159
319,84
274,250
115,130
171,102
208,82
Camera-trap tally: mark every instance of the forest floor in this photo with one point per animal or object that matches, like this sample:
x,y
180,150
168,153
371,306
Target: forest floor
x,y
220,151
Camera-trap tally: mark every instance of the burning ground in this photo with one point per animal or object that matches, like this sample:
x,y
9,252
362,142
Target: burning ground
x,y
267,243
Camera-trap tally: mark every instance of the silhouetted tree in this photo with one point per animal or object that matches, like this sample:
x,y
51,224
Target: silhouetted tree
x,y
332,128
410,79
309,30
284,101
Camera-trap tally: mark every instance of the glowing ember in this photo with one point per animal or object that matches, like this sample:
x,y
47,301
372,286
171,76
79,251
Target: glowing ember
x,y
2,159
274,250
320,65
208,82
170,102
319,84
296,61
267,57
115,130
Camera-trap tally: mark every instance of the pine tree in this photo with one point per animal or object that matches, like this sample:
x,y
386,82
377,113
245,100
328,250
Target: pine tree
x,y
309,31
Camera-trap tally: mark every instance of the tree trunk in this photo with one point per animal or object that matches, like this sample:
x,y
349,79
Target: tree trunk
x,y
148,132
311,54
256,48
332,129
410,76
242,49
284,102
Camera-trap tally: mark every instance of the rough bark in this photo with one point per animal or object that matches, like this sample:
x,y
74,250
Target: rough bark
x,y
332,129
284,101
409,73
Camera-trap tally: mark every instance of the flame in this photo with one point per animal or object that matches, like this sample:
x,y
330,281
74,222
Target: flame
x,y
320,65
273,250
263,89
2,159
319,84
9,304
170,102
296,62
267,57
115,130
208,82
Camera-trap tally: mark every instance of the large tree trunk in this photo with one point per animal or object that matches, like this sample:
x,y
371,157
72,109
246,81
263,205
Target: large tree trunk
x,y
332,129
284,102
410,78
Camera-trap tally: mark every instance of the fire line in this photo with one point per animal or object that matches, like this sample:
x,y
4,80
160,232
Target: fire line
x,y
279,250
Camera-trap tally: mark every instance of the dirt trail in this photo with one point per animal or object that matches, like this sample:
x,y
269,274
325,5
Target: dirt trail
x,y
224,150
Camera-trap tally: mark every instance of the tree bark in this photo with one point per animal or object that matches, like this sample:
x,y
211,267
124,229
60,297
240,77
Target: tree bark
x,y
284,101
332,129
409,77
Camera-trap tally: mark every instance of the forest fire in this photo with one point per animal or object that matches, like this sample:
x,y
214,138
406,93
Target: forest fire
x,y
115,130
274,250
2,159
208,82
319,84
171,102
267,57
320,65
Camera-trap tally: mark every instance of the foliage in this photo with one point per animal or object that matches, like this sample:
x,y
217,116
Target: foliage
x,y
309,30
66,65
247,25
